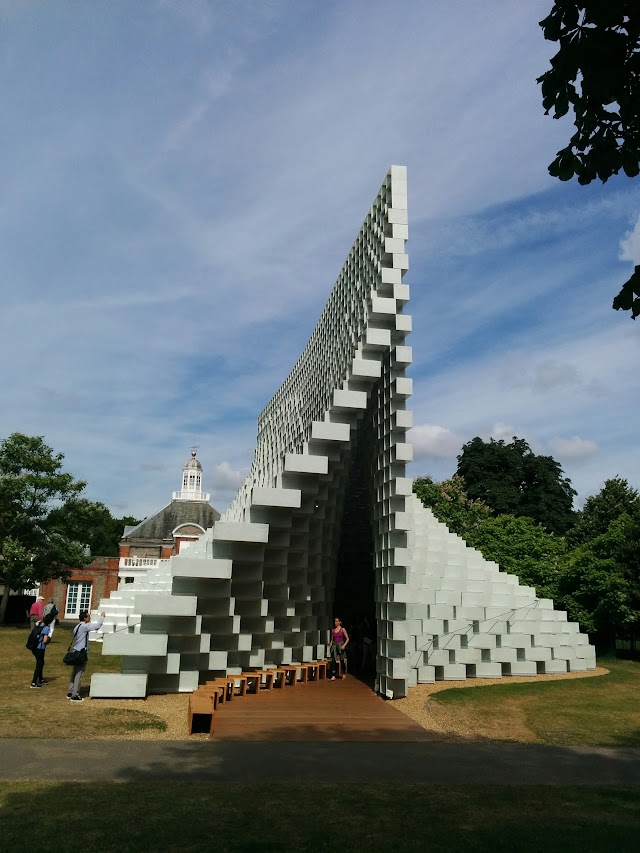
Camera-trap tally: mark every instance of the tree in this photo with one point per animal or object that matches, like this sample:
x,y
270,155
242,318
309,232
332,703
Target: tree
x,y
615,498
451,505
91,523
599,585
596,73
33,548
513,480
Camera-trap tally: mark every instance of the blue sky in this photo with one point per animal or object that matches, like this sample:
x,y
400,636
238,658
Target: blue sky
x,y
182,180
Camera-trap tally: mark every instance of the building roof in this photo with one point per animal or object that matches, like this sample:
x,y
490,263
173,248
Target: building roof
x,y
163,523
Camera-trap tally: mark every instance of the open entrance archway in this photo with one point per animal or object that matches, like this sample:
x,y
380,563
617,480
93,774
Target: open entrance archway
x,y
354,594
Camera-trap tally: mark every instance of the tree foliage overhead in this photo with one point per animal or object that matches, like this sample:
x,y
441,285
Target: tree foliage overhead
x,y
33,548
513,480
596,74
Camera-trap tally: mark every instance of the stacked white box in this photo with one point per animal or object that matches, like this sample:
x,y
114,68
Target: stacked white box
x,y
257,589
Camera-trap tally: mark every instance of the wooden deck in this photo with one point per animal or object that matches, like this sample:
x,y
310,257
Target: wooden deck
x,y
343,710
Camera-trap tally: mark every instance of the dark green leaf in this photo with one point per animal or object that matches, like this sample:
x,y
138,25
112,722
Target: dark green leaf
x,y
629,297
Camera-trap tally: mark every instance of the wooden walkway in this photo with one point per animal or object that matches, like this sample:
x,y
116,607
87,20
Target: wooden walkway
x,y
342,710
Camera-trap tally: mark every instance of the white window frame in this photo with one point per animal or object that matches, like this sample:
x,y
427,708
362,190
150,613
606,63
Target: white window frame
x,y
78,598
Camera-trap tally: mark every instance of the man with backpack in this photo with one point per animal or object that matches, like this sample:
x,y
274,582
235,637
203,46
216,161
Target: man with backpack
x,y
39,638
80,642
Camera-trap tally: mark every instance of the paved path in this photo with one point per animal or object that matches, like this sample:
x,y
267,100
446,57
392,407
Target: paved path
x,y
316,733
234,761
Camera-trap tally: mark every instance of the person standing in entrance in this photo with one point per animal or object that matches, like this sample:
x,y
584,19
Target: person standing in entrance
x,y
337,646
81,641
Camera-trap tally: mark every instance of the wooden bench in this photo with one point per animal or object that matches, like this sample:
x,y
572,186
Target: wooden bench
x,y
291,673
279,677
207,699
233,682
215,688
201,713
303,669
229,682
254,681
317,670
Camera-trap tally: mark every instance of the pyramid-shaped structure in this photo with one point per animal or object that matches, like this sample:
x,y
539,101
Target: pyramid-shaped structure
x,y
257,590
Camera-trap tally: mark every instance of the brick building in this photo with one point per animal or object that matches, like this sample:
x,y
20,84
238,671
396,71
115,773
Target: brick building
x,y
85,586
142,547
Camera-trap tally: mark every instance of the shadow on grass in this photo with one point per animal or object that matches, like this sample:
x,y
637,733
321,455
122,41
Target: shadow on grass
x,y
203,816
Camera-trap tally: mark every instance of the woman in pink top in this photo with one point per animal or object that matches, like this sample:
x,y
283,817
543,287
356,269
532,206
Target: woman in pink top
x,y
337,646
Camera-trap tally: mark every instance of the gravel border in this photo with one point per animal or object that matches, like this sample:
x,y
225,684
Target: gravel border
x,y
446,720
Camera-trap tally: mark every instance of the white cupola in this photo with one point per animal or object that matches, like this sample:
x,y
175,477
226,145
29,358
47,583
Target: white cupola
x,y
191,481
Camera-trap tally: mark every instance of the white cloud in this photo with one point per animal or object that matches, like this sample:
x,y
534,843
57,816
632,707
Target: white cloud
x,y
431,441
501,432
519,371
459,237
630,244
225,482
550,374
573,447
227,479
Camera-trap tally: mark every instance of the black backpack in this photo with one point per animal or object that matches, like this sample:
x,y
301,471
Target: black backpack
x,y
34,636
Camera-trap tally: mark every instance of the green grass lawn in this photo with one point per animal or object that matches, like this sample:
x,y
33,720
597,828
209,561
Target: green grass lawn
x,y
602,711
45,713
296,817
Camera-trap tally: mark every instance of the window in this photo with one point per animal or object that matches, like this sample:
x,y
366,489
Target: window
x,y
129,580
78,599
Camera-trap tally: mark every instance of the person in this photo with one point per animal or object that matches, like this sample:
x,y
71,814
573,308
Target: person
x,y
337,645
43,640
81,641
367,643
51,608
35,613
